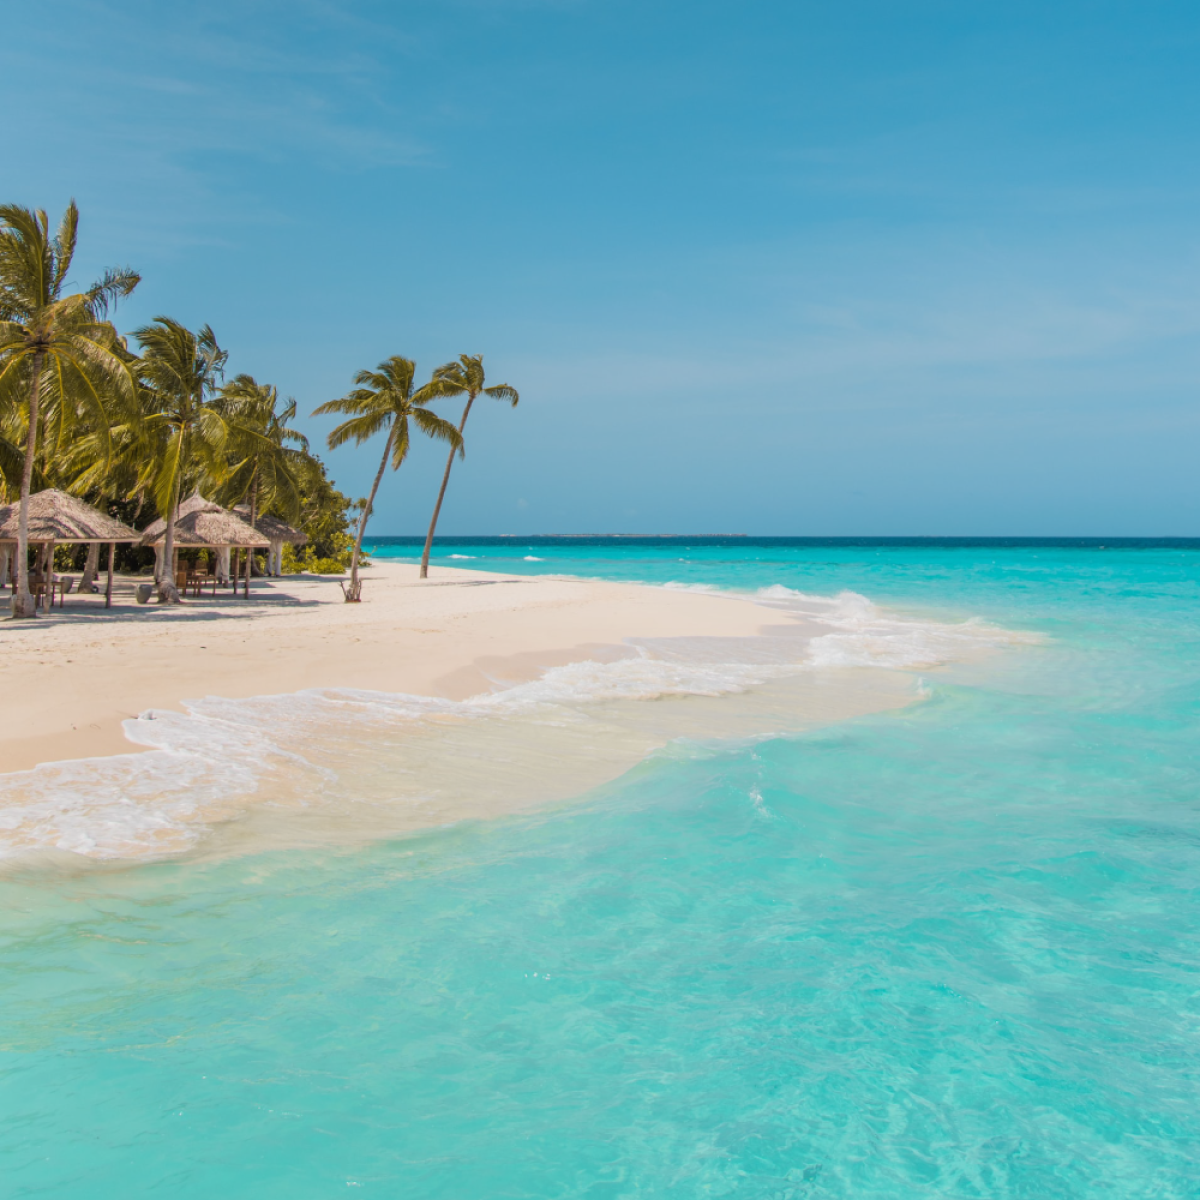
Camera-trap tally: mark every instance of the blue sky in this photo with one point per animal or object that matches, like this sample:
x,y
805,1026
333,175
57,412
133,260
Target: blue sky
x,y
778,268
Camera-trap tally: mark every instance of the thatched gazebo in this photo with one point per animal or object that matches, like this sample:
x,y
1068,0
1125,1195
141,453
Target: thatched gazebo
x,y
56,517
278,533
201,524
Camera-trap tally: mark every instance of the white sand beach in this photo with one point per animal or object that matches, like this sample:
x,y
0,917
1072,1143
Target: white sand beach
x,y
69,679
228,725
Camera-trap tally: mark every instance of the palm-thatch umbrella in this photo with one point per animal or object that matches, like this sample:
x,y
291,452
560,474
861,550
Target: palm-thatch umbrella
x,y
201,523
55,517
277,532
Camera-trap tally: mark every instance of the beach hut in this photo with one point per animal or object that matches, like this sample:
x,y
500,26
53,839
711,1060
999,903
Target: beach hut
x,y
201,524
278,533
58,518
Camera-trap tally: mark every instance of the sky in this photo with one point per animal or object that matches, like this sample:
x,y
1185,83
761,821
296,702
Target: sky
x,y
801,268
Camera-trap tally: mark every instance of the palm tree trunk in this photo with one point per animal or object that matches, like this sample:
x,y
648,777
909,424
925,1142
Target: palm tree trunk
x,y
22,601
90,569
354,591
168,593
437,508
253,520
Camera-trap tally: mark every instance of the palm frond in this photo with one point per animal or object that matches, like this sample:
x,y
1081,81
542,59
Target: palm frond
x,y
168,473
115,284
502,391
438,388
437,427
359,429
27,268
64,247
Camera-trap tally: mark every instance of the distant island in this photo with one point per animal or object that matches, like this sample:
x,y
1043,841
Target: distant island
x,y
527,536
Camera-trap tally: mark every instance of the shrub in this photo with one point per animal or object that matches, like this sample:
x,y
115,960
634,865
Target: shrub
x,y
308,560
324,566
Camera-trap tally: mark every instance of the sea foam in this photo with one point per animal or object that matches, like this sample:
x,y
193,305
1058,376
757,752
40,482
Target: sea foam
x,y
383,762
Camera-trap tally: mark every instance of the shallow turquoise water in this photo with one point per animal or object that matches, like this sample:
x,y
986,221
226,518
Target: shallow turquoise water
x,y
953,951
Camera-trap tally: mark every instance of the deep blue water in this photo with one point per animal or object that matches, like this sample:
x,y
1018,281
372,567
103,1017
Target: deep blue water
x,y
952,951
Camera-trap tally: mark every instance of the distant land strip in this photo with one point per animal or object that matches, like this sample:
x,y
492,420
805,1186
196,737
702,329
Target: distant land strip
x,y
525,536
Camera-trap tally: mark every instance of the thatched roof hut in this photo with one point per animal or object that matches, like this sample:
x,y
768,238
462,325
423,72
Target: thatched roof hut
x,y
272,528
200,522
56,516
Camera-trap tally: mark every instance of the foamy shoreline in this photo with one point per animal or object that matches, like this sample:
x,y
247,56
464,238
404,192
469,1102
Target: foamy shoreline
x,y
68,681
298,720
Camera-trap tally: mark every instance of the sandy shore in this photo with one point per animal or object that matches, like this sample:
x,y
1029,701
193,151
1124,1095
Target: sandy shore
x,y
68,680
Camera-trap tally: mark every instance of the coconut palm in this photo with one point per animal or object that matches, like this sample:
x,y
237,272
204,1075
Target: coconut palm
x,y
185,432
266,460
102,462
59,359
464,377
385,399
266,457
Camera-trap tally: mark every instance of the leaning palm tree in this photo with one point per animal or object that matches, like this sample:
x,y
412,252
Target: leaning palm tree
x,y
385,399
464,377
182,429
58,357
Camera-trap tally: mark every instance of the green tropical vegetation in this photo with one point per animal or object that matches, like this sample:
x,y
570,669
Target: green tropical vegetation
x,y
133,425
59,358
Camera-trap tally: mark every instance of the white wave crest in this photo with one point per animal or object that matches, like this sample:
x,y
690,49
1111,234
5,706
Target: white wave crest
x,y
218,759
866,635
208,764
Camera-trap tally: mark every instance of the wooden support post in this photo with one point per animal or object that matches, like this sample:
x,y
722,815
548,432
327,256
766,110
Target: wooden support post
x,y
49,579
112,549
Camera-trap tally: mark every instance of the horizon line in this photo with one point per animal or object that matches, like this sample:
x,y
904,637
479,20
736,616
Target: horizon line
x,y
811,537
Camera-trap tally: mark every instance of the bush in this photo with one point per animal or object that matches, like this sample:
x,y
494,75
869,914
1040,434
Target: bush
x,y
309,561
324,566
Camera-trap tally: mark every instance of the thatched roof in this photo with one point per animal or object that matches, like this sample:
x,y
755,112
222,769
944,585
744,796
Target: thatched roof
x,y
193,504
273,527
202,523
55,516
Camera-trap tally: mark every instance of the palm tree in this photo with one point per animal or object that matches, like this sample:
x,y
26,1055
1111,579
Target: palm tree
x,y
385,399
102,462
266,457
179,369
267,460
58,356
464,377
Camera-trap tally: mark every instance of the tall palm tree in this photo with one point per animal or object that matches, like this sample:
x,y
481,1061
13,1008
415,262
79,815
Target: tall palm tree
x,y
58,356
101,462
179,369
464,377
385,399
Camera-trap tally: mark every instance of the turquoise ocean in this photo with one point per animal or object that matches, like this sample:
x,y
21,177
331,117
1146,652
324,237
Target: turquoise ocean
x,y
950,949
